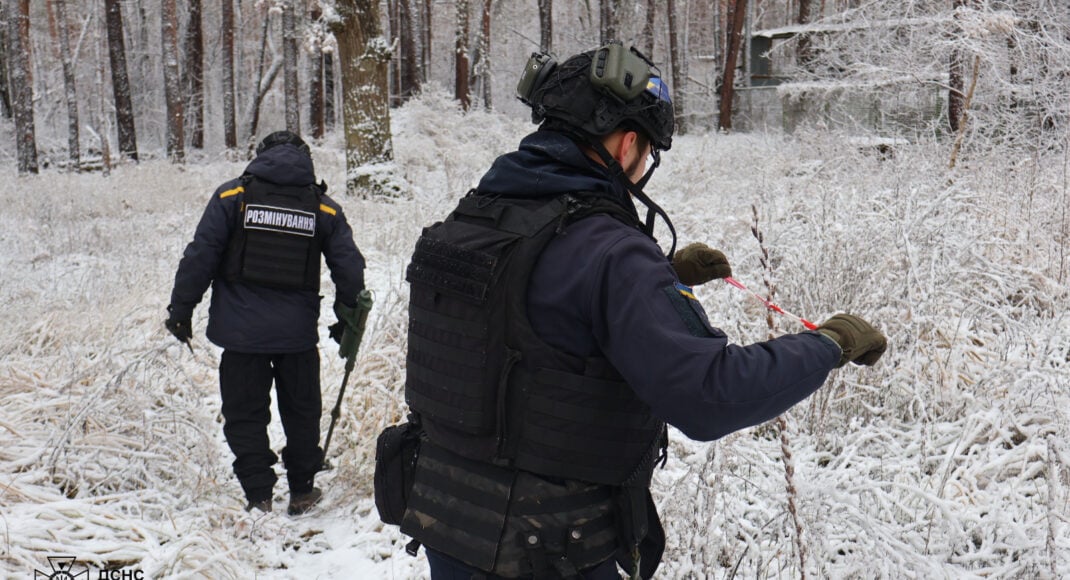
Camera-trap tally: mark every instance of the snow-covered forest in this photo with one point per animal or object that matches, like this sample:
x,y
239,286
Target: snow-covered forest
x,y
949,458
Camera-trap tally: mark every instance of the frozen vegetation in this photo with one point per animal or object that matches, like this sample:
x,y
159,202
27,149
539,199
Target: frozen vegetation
x,y
949,458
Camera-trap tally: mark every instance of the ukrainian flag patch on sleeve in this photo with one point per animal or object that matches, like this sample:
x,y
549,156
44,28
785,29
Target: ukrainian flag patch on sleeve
x,y
691,313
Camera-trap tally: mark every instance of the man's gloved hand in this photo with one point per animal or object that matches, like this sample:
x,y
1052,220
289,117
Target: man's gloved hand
x,y
336,330
859,342
179,326
349,330
698,263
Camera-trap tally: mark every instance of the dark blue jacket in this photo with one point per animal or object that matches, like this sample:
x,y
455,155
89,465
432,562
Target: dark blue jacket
x,y
256,319
604,288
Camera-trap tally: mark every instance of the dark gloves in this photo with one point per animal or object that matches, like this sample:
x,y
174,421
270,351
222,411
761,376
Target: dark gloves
x,y
859,342
179,326
349,330
698,263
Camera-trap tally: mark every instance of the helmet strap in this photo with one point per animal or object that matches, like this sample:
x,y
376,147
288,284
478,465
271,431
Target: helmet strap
x,y
636,189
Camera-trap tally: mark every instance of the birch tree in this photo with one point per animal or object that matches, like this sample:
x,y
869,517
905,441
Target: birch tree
x,y
17,13
120,80
172,81
364,56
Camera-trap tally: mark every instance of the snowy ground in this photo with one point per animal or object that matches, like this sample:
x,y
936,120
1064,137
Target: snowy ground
x,y
950,458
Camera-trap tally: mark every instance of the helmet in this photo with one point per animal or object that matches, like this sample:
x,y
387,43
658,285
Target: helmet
x,y
598,92
283,138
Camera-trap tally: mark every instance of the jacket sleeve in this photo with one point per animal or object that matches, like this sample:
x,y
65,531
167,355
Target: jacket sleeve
x,y
201,261
340,252
686,370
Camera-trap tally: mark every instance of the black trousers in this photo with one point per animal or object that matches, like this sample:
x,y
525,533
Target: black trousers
x,y
245,385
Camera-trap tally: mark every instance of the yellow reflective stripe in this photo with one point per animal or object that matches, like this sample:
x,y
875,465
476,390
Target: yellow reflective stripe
x,y
231,192
328,209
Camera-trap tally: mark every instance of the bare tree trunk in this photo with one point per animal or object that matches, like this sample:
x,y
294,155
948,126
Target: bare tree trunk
x,y
315,73
462,91
230,125
262,85
679,66
392,8
365,60
289,59
74,147
410,62
648,28
805,52
172,82
328,90
546,25
5,94
21,78
484,56
610,26
735,40
193,50
956,94
99,114
426,48
120,81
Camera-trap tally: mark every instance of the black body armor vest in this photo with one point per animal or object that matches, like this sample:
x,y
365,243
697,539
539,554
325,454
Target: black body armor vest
x,y
277,242
535,462
482,381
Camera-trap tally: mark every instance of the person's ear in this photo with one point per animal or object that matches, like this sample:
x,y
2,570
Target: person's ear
x,y
624,144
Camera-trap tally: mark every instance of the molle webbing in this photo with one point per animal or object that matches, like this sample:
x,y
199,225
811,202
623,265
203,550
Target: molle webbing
x,y
277,242
485,384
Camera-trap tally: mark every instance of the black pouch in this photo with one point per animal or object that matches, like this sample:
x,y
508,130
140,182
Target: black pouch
x,y
396,451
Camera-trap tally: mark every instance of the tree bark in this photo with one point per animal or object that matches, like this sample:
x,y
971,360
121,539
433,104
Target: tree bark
x,y
193,73
735,40
70,87
5,92
426,47
679,66
365,58
610,25
262,85
120,80
484,56
172,81
805,52
462,90
21,78
315,73
392,20
289,59
328,90
546,25
648,28
956,94
411,75
230,125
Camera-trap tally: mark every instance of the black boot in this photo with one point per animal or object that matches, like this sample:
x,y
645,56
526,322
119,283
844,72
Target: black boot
x,y
302,502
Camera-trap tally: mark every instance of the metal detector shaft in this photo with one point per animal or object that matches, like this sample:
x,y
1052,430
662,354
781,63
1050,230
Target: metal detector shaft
x,y
364,305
